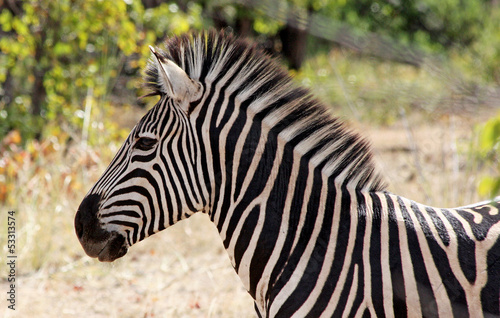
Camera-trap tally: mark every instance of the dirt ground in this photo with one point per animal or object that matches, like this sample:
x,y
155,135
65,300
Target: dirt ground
x,y
185,272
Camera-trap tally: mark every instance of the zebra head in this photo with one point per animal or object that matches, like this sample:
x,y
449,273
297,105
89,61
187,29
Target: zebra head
x,y
144,189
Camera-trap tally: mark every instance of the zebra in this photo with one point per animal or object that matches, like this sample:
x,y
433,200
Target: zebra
x,y
301,209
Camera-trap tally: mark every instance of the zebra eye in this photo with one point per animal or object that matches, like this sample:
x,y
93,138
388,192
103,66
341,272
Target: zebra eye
x,y
145,143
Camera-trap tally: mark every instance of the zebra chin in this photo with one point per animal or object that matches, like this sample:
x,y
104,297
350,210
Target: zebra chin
x,y
115,248
107,251
96,241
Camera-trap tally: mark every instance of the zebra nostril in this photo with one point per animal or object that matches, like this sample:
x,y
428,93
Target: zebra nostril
x,y
90,233
86,216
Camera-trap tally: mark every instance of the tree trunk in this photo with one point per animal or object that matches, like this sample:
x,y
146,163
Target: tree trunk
x,y
38,93
294,42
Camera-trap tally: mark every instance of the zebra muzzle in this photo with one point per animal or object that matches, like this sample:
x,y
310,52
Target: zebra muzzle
x,y
114,248
96,241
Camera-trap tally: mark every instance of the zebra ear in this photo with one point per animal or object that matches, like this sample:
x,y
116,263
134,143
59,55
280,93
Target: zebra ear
x,y
175,82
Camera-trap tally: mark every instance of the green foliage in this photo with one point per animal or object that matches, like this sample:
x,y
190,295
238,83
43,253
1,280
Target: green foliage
x,y
489,150
481,59
72,48
465,30
430,23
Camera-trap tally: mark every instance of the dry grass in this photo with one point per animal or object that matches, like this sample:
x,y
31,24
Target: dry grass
x,y
432,163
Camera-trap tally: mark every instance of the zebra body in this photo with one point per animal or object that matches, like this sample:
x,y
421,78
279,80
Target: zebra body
x,y
303,215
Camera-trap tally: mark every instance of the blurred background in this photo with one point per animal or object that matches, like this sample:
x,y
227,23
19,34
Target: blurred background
x,y
419,78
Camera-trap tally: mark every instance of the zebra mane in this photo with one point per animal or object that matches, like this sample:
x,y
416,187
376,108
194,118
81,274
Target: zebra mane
x,y
301,120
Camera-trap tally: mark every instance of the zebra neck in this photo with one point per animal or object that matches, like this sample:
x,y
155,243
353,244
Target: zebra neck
x,y
272,199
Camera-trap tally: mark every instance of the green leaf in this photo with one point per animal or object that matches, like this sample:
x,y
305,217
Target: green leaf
x,y
489,187
20,27
6,20
489,136
62,49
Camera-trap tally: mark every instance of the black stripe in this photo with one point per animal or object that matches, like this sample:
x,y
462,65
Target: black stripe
x,y
244,238
425,292
168,203
439,224
129,213
398,290
377,292
357,253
